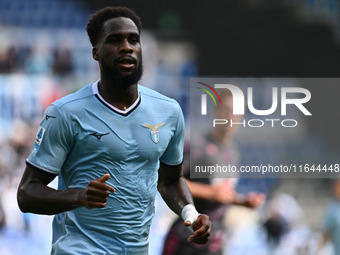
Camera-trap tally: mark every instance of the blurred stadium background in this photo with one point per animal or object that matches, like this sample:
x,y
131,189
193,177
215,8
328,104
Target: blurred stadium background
x,y
45,53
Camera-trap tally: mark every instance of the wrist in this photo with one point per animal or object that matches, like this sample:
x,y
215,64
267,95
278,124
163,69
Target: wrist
x,y
189,213
80,197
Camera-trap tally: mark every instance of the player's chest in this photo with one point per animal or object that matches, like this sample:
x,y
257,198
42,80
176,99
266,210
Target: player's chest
x,y
122,137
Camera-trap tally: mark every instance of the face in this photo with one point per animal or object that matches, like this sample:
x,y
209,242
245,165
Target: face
x,y
226,112
119,51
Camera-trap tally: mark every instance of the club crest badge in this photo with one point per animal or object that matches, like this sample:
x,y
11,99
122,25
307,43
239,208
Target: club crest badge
x,y
154,131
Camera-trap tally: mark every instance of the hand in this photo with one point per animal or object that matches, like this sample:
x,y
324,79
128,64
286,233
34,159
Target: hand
x,y
254,200
201,227
96,193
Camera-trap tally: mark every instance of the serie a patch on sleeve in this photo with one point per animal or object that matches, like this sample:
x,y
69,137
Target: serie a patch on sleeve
x,y
39,137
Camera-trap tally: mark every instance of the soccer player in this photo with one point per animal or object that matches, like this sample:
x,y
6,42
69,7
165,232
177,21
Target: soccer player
x,y
112,144
213,195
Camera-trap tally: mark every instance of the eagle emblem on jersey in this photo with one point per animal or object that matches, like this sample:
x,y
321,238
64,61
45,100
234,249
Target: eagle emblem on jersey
x,y
154,131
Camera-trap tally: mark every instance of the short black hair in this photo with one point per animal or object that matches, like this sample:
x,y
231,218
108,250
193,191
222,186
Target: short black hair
x,y
95,24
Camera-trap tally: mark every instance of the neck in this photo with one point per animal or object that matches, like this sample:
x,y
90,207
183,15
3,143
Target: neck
x,y
118,95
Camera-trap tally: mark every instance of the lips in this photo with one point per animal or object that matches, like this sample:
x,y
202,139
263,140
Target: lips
x,y
126,62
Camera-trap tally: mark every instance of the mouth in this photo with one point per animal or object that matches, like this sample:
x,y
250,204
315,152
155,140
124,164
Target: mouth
x,y
126,62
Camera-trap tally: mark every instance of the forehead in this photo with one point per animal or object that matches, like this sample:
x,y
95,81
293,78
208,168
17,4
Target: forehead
x,y
119,26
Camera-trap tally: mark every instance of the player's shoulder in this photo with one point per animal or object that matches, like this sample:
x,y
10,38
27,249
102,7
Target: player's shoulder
x,y
75,98
157,97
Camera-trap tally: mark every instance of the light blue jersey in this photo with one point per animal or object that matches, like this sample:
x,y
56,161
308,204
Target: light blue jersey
x,y
82,138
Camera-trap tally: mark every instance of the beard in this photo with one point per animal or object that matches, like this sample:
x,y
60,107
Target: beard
x,y
118,77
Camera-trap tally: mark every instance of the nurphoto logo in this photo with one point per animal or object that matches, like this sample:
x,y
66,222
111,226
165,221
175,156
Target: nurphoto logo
x,y
295,96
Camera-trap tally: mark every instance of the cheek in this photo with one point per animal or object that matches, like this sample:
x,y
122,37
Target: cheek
x,y
138,52
108,51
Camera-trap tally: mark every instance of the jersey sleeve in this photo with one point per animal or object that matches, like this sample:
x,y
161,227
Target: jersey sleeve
x,y
173,154
52,142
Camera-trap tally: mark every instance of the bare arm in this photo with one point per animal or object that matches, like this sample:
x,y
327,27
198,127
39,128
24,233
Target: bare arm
x,y
251,200
224,193
177,195
173,188
36,197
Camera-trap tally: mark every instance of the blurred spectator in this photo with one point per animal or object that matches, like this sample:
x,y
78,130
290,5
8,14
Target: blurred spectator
x,y
331,225
2,212
2,216
275,227
8,59
39,61
62,61
16,235
285,226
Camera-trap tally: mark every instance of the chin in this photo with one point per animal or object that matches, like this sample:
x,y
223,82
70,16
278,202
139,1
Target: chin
x,y
124,77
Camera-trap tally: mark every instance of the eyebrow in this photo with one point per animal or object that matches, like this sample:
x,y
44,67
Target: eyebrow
x,y
121,34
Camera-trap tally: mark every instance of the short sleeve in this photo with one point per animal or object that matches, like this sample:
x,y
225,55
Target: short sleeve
x,y
52,142
173,154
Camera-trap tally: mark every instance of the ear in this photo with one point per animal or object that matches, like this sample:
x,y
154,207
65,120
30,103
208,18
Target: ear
x,y
95,53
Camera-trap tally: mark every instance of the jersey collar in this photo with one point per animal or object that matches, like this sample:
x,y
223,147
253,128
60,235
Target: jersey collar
x,y
125,112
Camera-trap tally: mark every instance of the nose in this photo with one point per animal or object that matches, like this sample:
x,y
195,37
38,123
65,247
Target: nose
x,y
126,46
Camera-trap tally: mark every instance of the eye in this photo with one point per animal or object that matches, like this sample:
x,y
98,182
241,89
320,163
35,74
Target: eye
x,y
112,40
134,40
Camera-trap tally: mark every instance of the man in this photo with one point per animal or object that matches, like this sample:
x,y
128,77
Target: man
x,y
112,143
211,195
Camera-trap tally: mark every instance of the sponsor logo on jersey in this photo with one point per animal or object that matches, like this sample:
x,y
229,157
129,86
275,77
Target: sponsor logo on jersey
x,y
154,131
39,137
98,135
49,116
